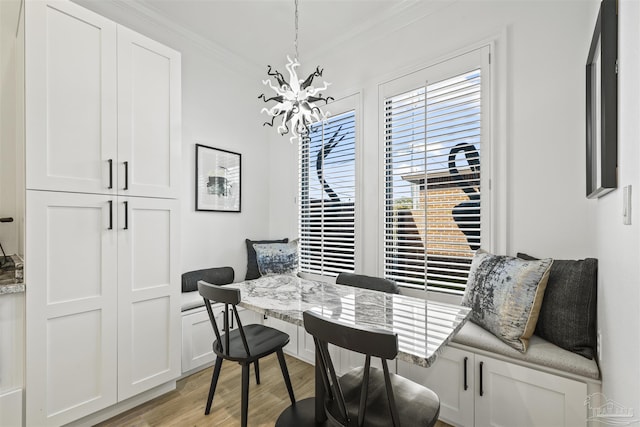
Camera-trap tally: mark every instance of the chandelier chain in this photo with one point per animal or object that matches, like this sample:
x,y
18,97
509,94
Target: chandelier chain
x,y
295,44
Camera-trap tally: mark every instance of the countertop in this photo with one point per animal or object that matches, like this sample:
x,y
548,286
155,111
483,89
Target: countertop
x,y
11,279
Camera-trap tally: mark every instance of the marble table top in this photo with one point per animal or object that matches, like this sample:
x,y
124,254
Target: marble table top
x,y
423,327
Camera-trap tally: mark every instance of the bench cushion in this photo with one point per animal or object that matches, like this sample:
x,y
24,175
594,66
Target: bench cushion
x,y
540,352
191,300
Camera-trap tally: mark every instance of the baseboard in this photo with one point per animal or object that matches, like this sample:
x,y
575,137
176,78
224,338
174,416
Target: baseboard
x,y
123,406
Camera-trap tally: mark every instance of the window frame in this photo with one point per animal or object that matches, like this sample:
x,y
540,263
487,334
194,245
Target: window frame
x,y
477,57
335,108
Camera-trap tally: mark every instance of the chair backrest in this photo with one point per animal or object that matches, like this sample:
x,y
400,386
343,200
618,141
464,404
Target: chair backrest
x,y
216,276
368,282
230,297
370,342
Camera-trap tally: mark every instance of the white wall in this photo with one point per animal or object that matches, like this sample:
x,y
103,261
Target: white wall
x,y
10,155
541,50
219,109
618,245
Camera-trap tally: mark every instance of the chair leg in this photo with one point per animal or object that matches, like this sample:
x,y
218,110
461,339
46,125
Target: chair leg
x,y
245,395
285,374
214,382
257,369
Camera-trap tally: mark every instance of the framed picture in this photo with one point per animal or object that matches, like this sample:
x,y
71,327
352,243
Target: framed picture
x,y
218,175
602,103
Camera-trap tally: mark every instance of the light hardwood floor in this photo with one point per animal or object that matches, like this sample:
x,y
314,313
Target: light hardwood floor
x,y
185,405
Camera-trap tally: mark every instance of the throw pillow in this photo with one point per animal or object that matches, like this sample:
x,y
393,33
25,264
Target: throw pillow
x,y
505,294
568,314
252,264
277,258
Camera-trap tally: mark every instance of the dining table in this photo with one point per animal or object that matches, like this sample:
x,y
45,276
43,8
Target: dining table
x,y
423,326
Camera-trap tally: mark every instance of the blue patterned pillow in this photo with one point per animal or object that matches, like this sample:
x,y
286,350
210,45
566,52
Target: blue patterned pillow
x,y
505,295
277,258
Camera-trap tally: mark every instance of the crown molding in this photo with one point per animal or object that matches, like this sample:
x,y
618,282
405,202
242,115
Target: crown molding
x,y
146,13
401,15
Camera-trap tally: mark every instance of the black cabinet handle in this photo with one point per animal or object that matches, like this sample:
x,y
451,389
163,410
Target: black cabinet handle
x,y
110,215
110,174
481,384
126,215
466,385
126,176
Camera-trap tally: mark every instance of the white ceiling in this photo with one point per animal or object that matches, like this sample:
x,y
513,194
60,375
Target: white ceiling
x,y
263,31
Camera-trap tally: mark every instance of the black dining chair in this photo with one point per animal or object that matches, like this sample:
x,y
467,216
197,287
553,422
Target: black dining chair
x,y
368,396
244,345
368,282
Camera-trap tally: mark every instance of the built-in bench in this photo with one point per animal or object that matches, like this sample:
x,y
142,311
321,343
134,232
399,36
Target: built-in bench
x,y
477,376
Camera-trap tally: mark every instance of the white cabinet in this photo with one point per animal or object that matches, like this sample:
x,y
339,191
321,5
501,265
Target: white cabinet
x,y
288,328
519,396
71,306
306,346
102,120
499,393
148,117
197,337
103,315
71,96
447,378
11,358
102,105
148,294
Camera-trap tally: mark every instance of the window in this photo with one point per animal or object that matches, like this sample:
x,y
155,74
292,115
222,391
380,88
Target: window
x,y
434,157
328,196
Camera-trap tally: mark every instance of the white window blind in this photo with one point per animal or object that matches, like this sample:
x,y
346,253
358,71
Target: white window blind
x,y
433,145
327,196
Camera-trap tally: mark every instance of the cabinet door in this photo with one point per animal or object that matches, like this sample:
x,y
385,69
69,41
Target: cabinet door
x,y
149,117
148,294
248,317
288,328
71,306
197,339
512,395
70,78
448,380
11,358
306,346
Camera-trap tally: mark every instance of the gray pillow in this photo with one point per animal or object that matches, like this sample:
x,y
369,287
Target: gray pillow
x,y
252,263
277,258
505,294
568,313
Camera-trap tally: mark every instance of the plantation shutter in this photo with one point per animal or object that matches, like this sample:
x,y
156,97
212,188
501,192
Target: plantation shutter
x,y
433,142
327,197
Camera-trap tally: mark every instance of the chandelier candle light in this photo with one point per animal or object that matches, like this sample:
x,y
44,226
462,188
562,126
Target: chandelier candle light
x,y
295,100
